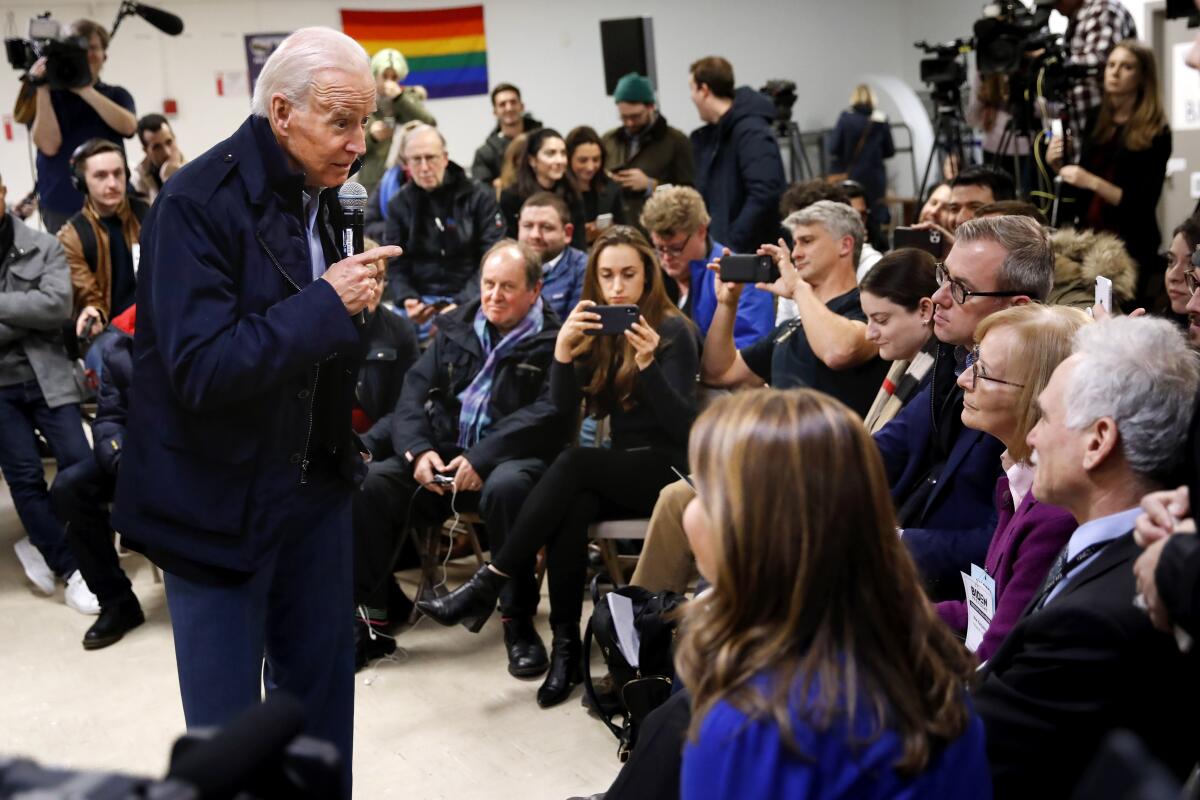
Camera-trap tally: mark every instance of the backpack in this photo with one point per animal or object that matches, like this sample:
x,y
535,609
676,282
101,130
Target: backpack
x,y
623,615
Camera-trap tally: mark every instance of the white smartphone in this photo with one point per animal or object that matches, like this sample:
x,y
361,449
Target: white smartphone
x,y
1056,127
1104,293
603,221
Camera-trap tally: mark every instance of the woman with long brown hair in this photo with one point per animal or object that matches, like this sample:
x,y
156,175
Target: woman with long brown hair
x,y
1119,177
644,381
815,663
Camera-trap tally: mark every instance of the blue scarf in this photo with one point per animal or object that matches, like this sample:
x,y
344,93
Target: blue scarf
x,y
473,419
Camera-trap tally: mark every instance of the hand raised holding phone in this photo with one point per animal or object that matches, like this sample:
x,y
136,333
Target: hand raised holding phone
x,y
581,320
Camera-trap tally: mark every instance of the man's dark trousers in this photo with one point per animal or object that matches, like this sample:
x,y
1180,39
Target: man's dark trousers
x,y
382,507
290,611
23,408
81,494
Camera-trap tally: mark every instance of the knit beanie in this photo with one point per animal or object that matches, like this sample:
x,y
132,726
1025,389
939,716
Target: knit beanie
x,y
389,58
633,88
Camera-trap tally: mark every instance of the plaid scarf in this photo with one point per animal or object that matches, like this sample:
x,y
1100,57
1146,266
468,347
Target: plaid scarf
x,y
473,419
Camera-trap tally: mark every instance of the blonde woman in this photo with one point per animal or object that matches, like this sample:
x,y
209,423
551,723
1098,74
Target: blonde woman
x,y
815,664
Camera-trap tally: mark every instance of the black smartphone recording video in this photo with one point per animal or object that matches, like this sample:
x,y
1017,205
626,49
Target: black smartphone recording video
x,y
614,320
749,269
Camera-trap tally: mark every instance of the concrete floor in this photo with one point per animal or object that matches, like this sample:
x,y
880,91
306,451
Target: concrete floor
x,y
442,720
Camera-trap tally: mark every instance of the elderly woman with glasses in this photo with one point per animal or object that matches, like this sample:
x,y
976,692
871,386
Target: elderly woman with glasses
x,y
1015,353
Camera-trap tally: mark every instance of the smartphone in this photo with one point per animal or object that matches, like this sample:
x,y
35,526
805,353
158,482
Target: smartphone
x,y
1104,293
603,221
443,480
615,320
439,305
930,240
749,269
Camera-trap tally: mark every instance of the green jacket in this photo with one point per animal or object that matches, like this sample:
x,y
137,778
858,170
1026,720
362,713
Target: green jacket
x,y
665,155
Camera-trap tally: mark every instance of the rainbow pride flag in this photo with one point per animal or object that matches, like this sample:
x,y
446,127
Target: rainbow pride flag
x,y
446,48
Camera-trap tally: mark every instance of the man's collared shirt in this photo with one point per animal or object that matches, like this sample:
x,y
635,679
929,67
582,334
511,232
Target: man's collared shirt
x,y
1096,531
316,251
549,266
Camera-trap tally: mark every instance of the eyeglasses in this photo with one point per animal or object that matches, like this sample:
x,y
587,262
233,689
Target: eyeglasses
x,y
959,292
1192,280
674,251
977,374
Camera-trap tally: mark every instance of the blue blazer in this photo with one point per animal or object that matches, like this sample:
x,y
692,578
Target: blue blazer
x,y
243,365
959,515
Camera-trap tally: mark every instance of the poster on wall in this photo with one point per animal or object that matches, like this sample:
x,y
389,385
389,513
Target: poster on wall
x,y
446,48
259,47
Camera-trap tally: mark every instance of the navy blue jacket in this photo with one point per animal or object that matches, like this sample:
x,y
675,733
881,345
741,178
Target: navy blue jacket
x,y
868,169
112,402
959,516
244,366
739,172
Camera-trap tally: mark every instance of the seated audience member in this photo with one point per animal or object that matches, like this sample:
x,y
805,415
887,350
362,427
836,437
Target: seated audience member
x,y
829,350
162,159
99,240
395,105
1083,660
392,348
82,493
1017,350
856,197
1122,162
897,299
445,221
677,221
395,175
545,225
542,167
791,658
943,474
644,152
645,381
935,206
511,121
601,196
1184,240
969,190
739,171
475,408
38,392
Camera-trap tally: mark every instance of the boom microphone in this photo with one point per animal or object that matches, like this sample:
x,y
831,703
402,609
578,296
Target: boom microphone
x,y
165,21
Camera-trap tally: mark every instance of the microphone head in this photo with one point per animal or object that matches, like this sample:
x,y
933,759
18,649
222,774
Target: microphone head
x,y
352,196
165,21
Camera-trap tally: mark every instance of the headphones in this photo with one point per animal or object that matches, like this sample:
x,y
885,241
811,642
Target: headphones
x,y
85,151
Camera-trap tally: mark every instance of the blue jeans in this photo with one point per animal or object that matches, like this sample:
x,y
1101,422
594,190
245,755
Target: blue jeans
x,y
289,616
22,409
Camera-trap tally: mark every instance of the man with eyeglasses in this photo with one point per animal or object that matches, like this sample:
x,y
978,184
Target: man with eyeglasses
x,y
677,221
445,221
942,473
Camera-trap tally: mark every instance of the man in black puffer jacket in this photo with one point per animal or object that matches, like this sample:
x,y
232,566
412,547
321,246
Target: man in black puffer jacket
x,y
82,492
445,221
474,408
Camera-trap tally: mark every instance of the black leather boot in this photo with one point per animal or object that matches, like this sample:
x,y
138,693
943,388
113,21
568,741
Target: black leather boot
x,y
471,604
115,621
566,669
526,653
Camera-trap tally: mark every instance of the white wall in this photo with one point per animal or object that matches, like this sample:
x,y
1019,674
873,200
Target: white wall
x,y
550,49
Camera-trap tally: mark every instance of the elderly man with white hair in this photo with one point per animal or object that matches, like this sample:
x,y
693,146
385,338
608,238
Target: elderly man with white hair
x,y
1083,660
240,461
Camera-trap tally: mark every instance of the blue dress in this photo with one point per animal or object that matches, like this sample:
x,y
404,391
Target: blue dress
x,y
736,757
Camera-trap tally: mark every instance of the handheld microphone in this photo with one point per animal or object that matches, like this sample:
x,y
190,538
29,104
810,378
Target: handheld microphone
x,y
352,197
165,21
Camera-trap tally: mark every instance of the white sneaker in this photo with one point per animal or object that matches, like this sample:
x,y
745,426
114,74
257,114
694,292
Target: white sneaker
x,y
79,596
36,570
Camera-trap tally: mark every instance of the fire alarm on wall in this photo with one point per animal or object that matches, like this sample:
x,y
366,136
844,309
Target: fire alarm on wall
x,y
170,107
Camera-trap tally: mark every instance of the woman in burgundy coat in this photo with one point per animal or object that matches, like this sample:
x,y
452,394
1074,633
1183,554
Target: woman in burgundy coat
x,y
1016,351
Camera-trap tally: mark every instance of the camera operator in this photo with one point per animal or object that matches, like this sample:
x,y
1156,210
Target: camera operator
x,y
1094,28
1123,159
66,118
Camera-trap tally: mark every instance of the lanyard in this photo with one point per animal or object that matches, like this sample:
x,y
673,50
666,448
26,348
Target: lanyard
x,y
1080,557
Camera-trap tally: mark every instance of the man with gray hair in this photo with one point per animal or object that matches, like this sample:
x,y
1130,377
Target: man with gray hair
x,y
1083,660
826,347
240,462
943,474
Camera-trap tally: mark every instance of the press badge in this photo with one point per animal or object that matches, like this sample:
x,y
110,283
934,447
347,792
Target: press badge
x,y
980,591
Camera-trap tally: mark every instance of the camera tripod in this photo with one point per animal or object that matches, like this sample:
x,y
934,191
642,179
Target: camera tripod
x,y
949,130
798,166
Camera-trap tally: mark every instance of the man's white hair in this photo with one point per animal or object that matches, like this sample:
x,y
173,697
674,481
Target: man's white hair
x,y
1141,372
295,63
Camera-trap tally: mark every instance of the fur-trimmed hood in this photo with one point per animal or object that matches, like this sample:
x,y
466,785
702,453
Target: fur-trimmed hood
x,y
1081,256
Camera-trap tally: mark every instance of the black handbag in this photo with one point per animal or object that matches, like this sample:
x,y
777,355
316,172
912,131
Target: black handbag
x,y
639,689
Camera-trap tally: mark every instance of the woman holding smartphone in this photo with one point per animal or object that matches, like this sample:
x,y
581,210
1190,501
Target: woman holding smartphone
x,y
602,204
644,380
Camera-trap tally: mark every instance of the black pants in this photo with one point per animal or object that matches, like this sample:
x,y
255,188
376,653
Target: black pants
x,y
653,769
80,496
390,495
582,486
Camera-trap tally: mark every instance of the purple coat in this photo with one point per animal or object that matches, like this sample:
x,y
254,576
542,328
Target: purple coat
x,y
1023,548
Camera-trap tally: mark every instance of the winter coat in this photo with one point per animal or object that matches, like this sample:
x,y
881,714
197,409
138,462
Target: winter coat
x,y
489,158
1081,256
391,352
739,172
92,281
444,234
525,422
665,155
112,402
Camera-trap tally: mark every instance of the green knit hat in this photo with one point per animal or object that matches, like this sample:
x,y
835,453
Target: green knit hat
x,y
633,88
